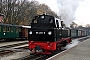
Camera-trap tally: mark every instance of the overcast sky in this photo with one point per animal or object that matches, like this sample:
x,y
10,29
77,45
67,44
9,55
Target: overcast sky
x,y
82,11
51,3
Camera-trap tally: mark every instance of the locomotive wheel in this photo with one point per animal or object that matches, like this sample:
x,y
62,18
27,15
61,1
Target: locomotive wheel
x,y
64,43
59,46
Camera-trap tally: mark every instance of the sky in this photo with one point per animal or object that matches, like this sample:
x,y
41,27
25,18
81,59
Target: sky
x,y
82,13
71,10
51,3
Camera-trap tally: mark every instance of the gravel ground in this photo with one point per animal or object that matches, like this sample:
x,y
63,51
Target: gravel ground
x,y
15,56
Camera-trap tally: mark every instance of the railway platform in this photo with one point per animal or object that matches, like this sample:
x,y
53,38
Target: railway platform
x,y
78,52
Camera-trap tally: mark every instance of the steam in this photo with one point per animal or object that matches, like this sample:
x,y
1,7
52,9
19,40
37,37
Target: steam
x,y
67,10
74,43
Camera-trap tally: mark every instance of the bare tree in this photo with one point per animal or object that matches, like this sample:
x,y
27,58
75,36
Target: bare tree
x,y
46,10
88,25
73,25
21,12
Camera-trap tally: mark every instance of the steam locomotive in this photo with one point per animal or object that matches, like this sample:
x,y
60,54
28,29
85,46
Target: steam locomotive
x,y
46,34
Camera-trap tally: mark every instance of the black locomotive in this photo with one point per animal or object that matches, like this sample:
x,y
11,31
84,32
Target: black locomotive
x,y
46,34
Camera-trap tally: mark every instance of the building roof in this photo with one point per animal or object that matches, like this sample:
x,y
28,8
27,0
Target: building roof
x,y
1,24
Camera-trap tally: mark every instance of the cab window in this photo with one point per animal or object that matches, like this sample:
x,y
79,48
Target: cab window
x,y
50,20
35,21
4,29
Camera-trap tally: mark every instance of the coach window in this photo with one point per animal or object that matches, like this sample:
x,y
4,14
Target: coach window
x,y
68,32
4,29
26,30
11,29
19,29
8,29
16,29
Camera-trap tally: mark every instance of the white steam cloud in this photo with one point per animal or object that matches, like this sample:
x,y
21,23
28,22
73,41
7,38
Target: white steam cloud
x,y
74,43
67,10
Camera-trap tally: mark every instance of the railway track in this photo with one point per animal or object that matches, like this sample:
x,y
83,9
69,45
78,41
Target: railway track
x,y
8,50
85,38
13,45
